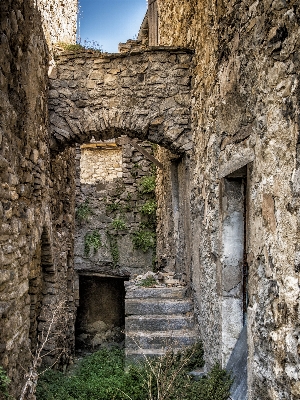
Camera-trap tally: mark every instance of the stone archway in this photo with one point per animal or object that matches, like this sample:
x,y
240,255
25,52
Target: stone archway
x,y
143,94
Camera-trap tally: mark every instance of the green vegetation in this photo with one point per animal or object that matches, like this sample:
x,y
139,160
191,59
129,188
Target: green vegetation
x,y
83,211
71,46
147,184
92,241
101,376
148,282
4,383
113,247
111,207
119,224
149,208
87,45
144,239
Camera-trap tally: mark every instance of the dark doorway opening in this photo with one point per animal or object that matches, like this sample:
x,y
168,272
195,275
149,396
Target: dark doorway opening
x,y
101,313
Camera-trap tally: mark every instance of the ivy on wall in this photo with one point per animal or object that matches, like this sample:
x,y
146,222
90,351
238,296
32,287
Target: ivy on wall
x,y
92,240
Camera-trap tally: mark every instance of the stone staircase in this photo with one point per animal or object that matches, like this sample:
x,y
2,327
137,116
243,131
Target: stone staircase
x,y
157,319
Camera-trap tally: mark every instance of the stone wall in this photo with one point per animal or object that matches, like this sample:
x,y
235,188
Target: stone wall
x,y
34,258
59,20
113,209
245,101
243,113
97,165
142,93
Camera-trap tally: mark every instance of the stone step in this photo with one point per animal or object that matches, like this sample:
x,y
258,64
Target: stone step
x,y
140,355
157,306
160,340
158,322
134,292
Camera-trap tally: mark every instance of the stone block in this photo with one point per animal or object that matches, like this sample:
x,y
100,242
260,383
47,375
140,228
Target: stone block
x,y
153,306
155,340
158,323
136,292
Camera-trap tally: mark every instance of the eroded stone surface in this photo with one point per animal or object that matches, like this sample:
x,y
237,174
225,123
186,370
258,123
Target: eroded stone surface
x,y
145,94
245,104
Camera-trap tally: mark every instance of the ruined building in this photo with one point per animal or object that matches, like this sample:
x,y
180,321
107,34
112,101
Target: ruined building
x,y
216,85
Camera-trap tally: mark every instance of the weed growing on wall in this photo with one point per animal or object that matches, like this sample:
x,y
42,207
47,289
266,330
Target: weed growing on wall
x,y
92,241
119,224
113,247
147,184
83,211
111,207
87,45
4,384
101,376
135,170
144,239
149,208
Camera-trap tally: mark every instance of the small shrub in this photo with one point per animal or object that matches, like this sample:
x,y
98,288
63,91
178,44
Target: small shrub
x,y
144,240
83,211
119,224
215,386
149,208
101,376
92,241
147,184
148,282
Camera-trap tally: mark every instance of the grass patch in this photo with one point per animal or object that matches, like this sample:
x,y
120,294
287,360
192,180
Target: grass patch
x,y
78,47
148,282
101,376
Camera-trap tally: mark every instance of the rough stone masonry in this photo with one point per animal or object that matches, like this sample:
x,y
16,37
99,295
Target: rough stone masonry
x,y
230,194
143,93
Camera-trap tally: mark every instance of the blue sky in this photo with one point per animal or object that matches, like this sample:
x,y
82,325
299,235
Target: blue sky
x,y
110,22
